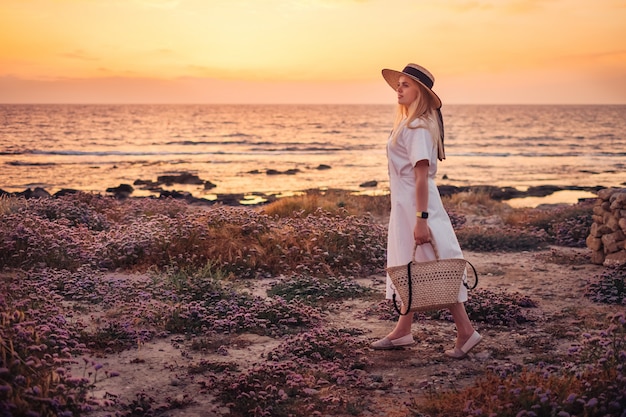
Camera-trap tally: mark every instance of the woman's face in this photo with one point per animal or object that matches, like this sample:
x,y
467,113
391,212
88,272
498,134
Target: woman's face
x,y
408,90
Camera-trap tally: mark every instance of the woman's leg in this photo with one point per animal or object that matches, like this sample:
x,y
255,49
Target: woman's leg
x,y
403,327
464,327
400,336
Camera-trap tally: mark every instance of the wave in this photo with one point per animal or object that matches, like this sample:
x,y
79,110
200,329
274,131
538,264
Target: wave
x,y
238,134
206,142
252,143
608,154
30,164
251,151
299,148
111,153
229,135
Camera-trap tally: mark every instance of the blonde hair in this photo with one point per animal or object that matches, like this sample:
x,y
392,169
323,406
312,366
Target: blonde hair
x,y
421,113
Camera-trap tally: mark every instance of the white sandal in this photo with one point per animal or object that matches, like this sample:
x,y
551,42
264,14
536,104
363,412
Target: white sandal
x,y
471,343
386,344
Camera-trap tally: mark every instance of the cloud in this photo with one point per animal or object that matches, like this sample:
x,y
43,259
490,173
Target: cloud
x,y
609,60
80,55
122,90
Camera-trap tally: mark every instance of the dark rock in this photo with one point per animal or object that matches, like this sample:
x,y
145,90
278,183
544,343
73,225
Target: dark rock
x,y
200,202
322,167
230,199
41,193
184,178
292,171
122,191
372,183
209,185
122,188
65,191
149,185
593,189
504,193
494,192
270,198
448,190
38,192
542,190
178,195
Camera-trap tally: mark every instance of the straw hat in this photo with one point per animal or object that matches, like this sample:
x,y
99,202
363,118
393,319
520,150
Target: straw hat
x,y
416,72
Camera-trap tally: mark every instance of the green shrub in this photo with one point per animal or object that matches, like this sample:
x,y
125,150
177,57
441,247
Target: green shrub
x,y
314,290
609,287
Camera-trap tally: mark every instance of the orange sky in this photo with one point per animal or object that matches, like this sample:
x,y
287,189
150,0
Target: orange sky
x,y
310,51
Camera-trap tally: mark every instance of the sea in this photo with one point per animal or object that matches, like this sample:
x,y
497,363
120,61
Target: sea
x,y
286,149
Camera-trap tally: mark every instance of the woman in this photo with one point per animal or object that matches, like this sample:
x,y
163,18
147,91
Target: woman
x,y
414,146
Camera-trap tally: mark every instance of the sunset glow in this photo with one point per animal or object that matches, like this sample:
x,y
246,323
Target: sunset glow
x,y
309,51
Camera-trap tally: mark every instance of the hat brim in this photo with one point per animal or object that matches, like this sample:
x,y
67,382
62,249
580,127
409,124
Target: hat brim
x,y
392,77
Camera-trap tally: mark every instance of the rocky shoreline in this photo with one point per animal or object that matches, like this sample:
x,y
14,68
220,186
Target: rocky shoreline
x,y
156,187
123,191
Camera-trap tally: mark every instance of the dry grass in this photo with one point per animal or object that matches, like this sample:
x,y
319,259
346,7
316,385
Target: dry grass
x,y
478,203
10,204
331,201
542,218
339,201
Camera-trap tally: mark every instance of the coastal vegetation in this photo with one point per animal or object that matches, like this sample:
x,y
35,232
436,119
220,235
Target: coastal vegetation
x,y
84,277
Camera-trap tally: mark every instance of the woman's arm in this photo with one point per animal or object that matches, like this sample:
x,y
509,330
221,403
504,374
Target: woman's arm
x,y
421,233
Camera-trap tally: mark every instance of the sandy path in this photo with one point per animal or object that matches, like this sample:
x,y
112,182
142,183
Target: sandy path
x,y
554,279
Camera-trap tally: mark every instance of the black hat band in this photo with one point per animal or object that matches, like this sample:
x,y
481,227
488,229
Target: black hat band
x,y
424,79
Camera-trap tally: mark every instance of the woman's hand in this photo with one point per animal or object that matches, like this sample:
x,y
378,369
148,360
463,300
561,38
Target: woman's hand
x,y
421,233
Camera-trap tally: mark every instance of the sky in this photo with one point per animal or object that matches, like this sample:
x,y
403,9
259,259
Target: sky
x,y
310,51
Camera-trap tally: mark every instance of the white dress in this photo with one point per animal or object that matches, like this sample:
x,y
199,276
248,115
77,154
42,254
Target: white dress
x,y
411,146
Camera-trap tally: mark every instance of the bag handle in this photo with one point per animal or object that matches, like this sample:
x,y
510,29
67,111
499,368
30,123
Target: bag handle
x,y
395,303
432,243
475,277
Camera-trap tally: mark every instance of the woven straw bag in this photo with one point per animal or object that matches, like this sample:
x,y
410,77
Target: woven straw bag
x,y
430,285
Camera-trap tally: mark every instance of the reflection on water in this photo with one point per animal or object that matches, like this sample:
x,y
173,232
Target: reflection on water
x,y
559,197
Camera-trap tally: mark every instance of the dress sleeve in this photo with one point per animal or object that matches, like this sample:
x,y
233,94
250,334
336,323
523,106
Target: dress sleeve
x,y
419,145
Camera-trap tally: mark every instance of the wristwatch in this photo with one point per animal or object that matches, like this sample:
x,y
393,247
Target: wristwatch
x,y
422,214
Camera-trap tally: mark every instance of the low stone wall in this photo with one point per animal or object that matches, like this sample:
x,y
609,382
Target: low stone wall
x,y
607,237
